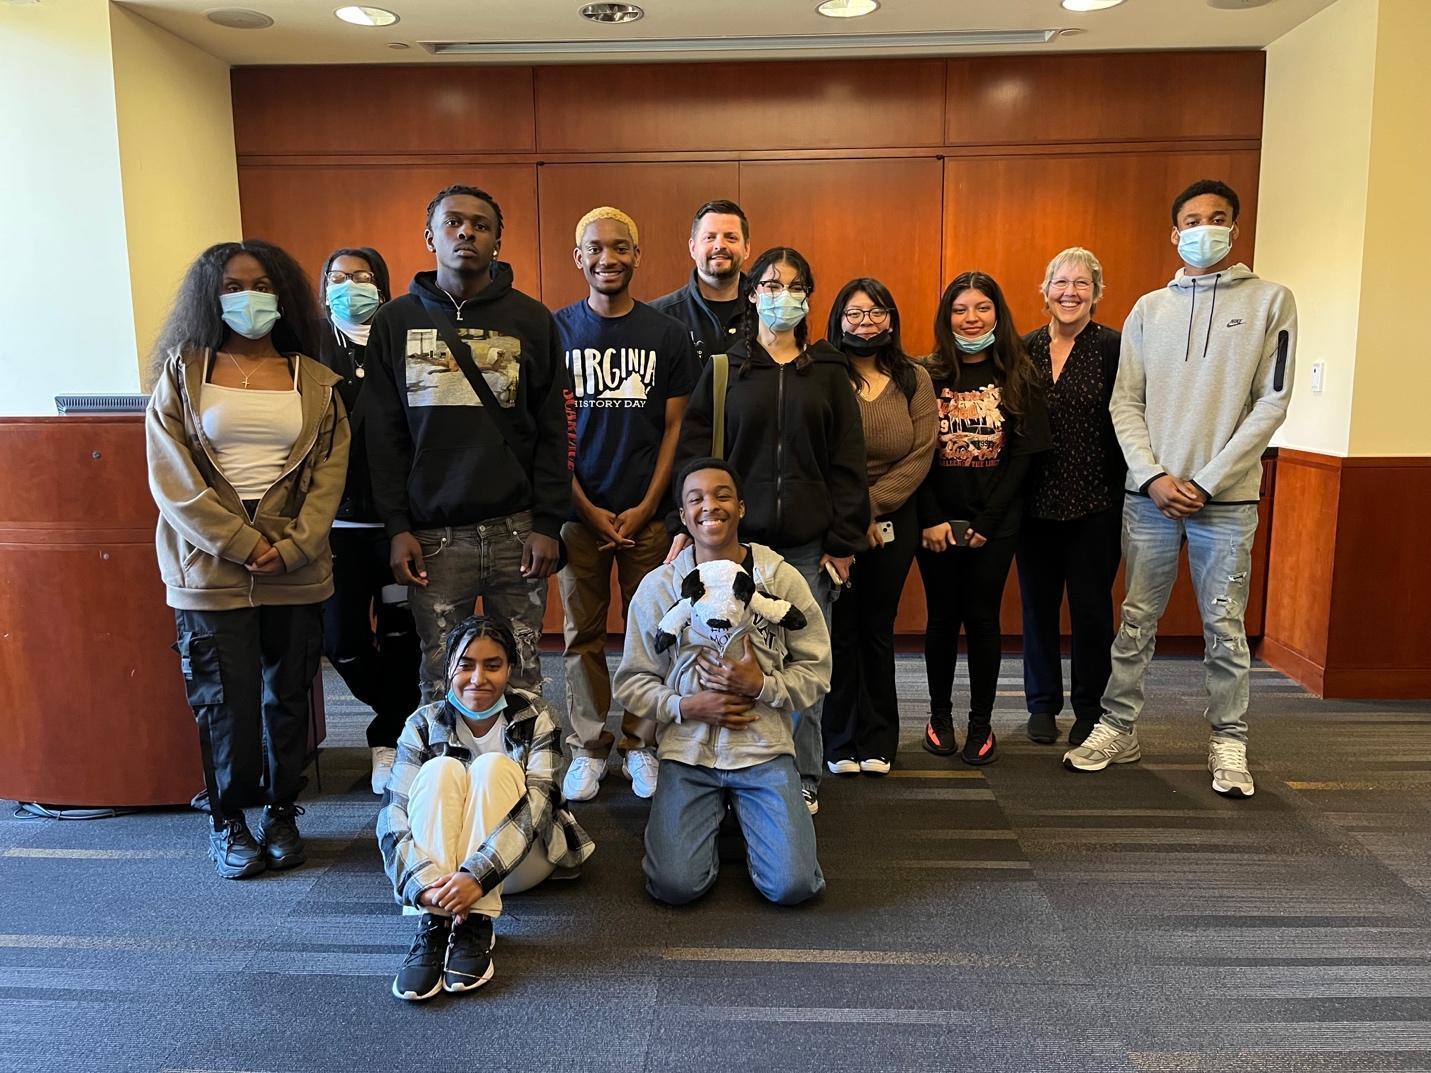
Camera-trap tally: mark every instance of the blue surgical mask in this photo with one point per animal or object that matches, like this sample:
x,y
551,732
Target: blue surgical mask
x,y
781,312
252,314
456,701
353,302
1203,247
976,344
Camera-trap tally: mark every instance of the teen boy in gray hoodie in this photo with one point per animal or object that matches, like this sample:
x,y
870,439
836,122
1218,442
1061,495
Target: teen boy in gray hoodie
x,y
723,728
1204,379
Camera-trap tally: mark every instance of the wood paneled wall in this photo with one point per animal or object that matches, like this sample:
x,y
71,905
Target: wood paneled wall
x,y
908,170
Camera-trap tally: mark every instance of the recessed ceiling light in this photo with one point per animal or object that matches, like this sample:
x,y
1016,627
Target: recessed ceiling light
x,y
237,18
847,9
1090,5
611,12
1237,5
360,15
398,44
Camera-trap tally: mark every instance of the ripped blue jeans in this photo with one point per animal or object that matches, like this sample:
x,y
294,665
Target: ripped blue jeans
x,y
1219,540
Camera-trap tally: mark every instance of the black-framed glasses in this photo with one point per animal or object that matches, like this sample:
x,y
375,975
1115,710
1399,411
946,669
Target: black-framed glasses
x,y
877,315
773,287
357,277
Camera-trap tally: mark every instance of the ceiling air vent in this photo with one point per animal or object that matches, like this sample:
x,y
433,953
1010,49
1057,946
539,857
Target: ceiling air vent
x,y
934,41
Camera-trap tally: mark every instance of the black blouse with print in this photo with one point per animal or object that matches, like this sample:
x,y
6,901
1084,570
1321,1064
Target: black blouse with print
x,y
1083,473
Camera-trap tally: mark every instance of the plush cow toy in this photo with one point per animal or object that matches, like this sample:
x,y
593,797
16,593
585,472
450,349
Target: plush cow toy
x,y
718,597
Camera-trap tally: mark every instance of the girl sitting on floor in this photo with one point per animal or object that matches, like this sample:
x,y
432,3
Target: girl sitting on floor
x,y
472,811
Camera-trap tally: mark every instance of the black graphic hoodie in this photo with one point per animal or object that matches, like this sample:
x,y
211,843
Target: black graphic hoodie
x,y
435,458
793,433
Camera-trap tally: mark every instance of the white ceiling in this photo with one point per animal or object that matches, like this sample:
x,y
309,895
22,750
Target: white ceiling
x,y
306,31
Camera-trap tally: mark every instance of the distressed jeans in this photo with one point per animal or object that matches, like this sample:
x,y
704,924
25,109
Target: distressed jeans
x,y
1219,541
467,561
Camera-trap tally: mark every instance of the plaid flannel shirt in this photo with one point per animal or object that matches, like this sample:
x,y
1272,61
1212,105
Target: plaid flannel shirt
x,y
531,740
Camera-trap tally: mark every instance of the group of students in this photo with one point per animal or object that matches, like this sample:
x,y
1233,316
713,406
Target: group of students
x,y
460,442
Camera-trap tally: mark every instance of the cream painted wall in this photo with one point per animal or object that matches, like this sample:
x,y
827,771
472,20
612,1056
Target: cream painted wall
x,y
64,278
176,154
1393,365
1312,206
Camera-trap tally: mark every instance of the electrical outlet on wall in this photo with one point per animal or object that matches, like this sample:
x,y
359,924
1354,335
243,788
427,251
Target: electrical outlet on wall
x,y
1318,368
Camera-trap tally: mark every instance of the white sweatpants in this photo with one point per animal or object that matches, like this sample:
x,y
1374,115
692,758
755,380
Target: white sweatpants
x,y
452,809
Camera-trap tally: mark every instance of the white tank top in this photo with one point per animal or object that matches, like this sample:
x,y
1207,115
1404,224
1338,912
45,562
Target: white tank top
x,y
252,432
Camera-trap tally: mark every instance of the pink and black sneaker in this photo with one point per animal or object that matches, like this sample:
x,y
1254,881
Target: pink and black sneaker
x,y
980,746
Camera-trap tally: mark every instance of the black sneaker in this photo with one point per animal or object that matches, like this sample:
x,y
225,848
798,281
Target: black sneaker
x,y
421,974
810,794
282,844
1043,728
1078,733
469,954
980,747
234,851
939,737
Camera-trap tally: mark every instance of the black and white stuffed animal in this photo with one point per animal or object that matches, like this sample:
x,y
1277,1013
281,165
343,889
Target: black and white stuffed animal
x,y
718,597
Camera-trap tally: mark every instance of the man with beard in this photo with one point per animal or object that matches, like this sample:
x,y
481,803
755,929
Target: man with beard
x,y
709,305
632,370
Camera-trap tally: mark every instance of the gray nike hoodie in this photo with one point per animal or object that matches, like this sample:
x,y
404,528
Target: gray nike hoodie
x,y
1204,378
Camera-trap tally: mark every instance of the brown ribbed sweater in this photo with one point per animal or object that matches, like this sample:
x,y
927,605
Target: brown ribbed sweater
x,y
900,435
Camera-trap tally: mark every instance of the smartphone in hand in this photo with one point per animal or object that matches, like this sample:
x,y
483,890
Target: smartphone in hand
x,y
961,530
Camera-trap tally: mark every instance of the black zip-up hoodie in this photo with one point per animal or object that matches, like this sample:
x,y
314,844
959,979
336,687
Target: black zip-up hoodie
x,y
794,435
345,358
435,458
689,306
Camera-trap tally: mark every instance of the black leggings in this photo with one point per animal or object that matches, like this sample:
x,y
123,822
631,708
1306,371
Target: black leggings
x,y
964,587
380,669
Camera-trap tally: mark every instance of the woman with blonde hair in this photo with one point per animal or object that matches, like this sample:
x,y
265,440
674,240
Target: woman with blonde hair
x,y
1070,535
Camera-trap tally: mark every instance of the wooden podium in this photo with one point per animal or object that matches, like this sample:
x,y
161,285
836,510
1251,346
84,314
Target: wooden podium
x,y
92,705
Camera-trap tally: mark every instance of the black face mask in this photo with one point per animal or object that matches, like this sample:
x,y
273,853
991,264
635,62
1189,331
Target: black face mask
x,y
858,344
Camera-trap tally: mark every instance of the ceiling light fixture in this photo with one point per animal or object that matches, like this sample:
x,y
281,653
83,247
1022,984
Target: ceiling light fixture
x,y
941,40
611,12
1090,5
847,9
237,18
359,15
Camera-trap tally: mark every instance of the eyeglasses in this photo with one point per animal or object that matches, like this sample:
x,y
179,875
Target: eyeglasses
x,y
1062,284
356,277
773,287
874,316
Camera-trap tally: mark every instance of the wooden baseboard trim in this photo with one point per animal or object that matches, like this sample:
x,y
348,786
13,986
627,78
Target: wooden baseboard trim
x,y
1294,665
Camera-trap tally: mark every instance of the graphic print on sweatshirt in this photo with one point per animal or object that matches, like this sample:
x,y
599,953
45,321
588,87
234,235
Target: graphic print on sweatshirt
x,y
620,377
971,428
435,379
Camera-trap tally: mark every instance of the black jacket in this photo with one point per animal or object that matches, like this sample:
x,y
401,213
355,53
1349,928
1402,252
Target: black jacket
x,y
435,458
793,433
345,358
689,307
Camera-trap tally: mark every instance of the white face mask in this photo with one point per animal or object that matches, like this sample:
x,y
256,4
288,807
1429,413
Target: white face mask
x,y
1203,247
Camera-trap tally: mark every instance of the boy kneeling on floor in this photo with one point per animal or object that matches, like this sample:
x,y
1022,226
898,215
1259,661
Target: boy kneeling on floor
x,y
723,713
472,811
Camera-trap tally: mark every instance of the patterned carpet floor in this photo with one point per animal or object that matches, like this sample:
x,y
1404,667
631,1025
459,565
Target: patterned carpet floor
x,y
1011,918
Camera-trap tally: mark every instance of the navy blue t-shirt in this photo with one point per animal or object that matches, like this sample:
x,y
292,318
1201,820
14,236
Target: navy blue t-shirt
x,y
623,370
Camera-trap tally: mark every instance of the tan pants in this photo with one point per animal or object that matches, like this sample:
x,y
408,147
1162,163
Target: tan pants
x,y
452,809
586,597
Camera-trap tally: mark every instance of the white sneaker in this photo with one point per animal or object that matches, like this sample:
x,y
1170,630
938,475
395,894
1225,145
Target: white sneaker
x,y
641,767
583,778
875,765
846,765
383,759
1105,745
1227,760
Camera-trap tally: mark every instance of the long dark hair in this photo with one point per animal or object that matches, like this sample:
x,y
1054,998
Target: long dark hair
x,y
776,255
893,362
196,319
375,262
1013,371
